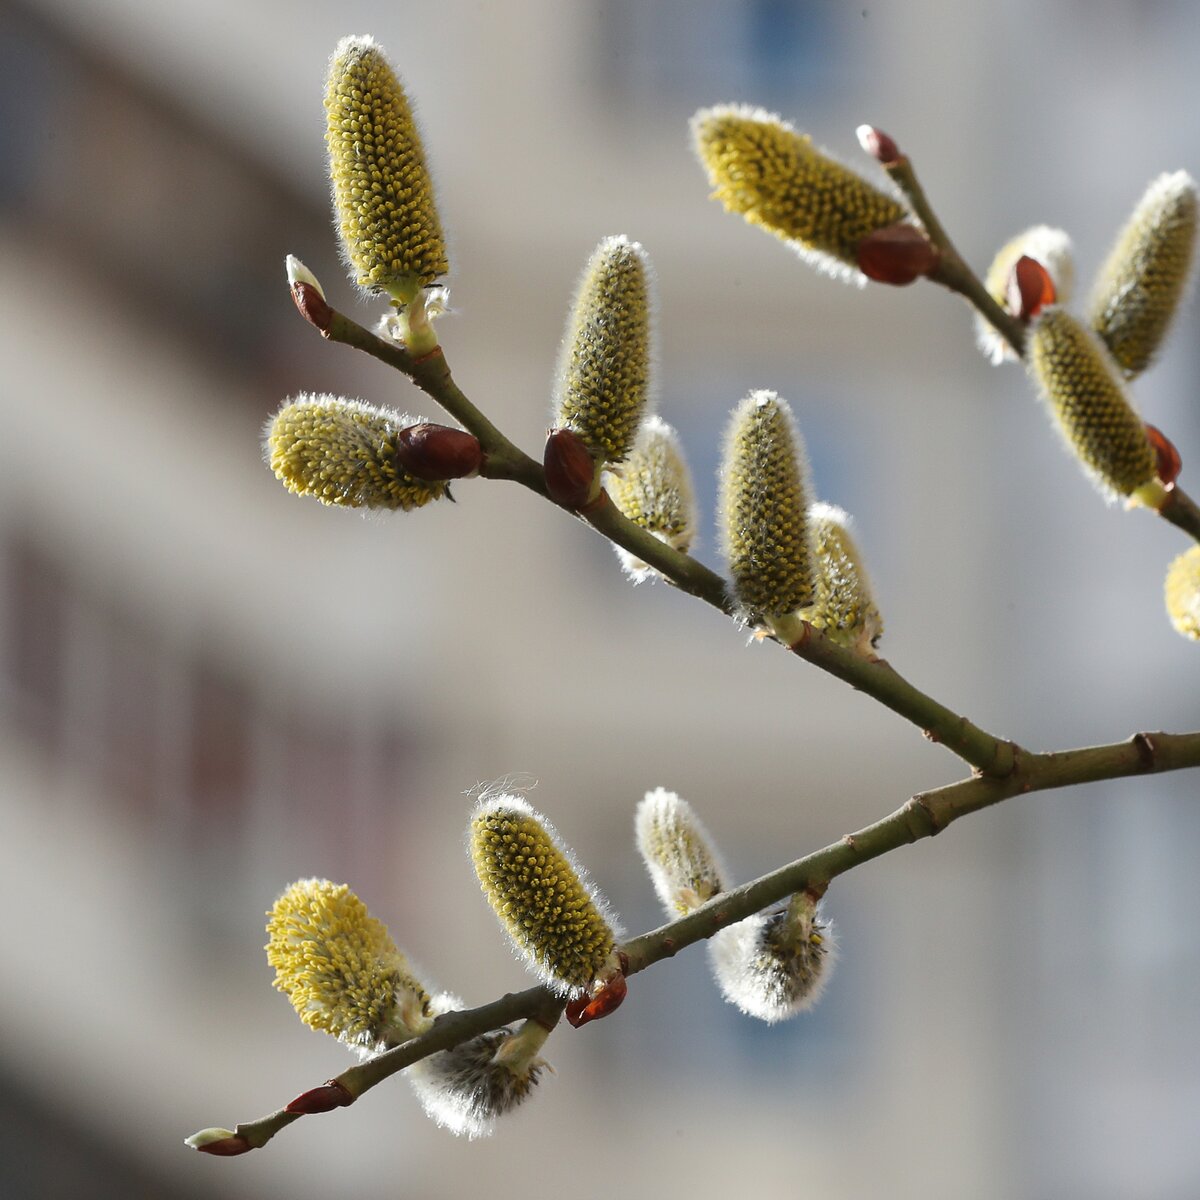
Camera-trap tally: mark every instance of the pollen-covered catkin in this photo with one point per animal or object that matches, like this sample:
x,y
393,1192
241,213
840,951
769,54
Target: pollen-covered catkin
x,y
382,194
1183,593
764,510
653,488
467,1088
343,452
556,921
605,367
340,968
1048,246
1080,386
762,168
1144,278
683,862
844,608
774,964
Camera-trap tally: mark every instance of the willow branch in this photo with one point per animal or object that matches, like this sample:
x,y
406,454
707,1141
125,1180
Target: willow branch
x,y
922,816
952,272
874,677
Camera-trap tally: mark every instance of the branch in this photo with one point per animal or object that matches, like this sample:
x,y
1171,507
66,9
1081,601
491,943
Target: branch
x,y
503,460
952,272
922,816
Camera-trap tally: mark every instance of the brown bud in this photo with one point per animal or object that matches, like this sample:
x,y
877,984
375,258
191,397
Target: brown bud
x,y
434,452
896,255
1030,288
326,1098
570,469
226,1147
603,1001
878,145
1169,464
312,305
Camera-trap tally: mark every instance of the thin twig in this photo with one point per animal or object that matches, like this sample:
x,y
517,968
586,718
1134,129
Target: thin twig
x,y
922,816
876,678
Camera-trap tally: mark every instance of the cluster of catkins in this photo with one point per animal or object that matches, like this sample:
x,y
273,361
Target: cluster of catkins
x,y
790,559
772,175
344,975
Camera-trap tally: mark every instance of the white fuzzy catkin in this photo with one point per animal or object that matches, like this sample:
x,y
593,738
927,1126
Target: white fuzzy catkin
x,y
684,865
1046,245
653,489
467,1088
774,964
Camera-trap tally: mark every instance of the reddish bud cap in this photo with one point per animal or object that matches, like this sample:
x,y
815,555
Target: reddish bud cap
x,y
592,1008
225,1147
326,1098
1030,288
435,452
878,145
312,305
570,469
897,255
1169,464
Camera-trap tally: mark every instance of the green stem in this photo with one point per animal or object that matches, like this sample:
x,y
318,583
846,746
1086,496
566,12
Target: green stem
x,y
952,270
874,677
922,816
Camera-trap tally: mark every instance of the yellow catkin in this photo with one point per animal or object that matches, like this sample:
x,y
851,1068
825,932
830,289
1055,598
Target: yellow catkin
x,y
764,509
678,852
1183,594
762,168
845,608
343,452
382,194
653,488
1145,276
535,889
605,366
1080,386
340,968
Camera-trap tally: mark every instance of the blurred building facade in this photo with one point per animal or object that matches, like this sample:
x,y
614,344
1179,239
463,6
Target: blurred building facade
x,y
209,688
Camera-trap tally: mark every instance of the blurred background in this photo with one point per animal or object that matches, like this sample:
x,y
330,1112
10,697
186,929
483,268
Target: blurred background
x,y
209,688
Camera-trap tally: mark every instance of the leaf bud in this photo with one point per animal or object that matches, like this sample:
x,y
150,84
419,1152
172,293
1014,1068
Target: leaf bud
x,y
556,920
1146,274
1183,594
605,366
223,1143
308,295
1080,387
878,145
774,964
571,472
899,255
322,1099
605,997
761,167
382,194
1168,462
1030,288
343,452
432,452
